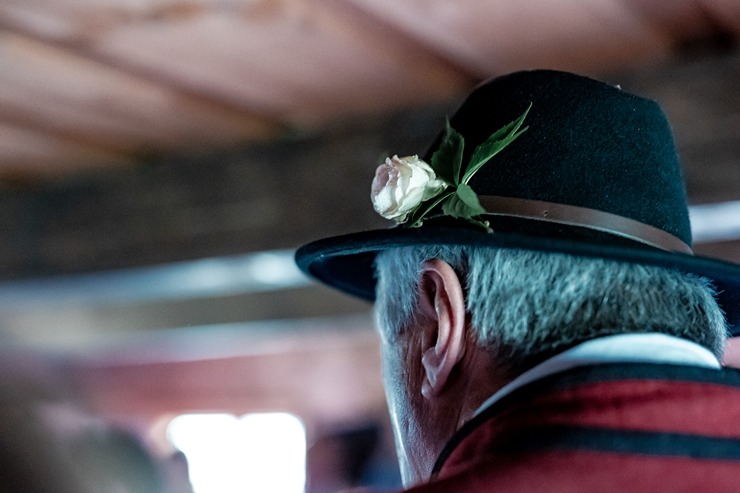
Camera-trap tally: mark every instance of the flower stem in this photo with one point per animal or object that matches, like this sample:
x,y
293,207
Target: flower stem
x,y
417,222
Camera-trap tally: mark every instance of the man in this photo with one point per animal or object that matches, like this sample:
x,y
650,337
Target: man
x,y
544,324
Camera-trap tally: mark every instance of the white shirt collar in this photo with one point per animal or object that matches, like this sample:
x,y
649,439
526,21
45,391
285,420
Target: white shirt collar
x,y
624,348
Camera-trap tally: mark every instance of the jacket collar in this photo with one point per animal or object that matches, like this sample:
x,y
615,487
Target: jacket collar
x,y
623,348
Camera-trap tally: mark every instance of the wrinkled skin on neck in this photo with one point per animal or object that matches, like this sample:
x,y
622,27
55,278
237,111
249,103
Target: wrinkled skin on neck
x,y
422,425
415,449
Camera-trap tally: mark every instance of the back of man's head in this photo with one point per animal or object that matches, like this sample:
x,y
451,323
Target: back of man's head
x,y
525,306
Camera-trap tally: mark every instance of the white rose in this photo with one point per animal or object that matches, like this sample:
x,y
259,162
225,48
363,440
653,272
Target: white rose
x,y
401,184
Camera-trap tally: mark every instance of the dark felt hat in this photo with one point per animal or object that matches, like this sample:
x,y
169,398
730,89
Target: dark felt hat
x,y
595,174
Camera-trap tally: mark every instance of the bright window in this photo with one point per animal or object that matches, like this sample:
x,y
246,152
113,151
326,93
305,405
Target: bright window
x,y
263,453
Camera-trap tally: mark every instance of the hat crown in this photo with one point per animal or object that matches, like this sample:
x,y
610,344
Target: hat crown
x,y
588,144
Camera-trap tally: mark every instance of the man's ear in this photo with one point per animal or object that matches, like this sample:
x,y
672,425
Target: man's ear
x,y
443,305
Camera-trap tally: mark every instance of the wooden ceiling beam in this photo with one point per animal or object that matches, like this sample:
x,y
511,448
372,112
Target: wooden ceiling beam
x,y
29,153
502,36
377,29
259,124
246,66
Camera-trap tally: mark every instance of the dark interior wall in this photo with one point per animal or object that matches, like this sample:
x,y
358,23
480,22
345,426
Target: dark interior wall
x,y
216,203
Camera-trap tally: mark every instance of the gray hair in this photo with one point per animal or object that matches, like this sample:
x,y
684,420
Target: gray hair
x,y
526,305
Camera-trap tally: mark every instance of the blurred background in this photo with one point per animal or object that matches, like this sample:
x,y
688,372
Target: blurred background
x,y
160,160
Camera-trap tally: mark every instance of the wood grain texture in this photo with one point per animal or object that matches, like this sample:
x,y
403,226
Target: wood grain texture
x,y
157,77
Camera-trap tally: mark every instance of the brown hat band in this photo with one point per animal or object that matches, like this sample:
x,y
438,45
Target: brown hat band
x,y
585,218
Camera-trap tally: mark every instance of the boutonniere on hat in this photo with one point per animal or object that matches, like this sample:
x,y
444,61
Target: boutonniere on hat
x,y
409,190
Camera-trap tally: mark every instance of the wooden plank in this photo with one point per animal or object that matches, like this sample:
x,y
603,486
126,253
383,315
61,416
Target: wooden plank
x,y
298,61
293,60
499,36
171,84
27,154
65,94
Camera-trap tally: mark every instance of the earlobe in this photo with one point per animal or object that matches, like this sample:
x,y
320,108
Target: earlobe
x,y
444,344
431,362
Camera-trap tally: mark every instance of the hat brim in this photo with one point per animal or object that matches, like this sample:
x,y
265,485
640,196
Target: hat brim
x,y
346,262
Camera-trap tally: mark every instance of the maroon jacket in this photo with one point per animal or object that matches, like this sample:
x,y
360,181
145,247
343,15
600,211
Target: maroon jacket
x,y
612,427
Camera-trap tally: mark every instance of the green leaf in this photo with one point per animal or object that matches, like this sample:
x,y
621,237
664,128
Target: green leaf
x,y
454,207
495,144
447,160
468,196
463,203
